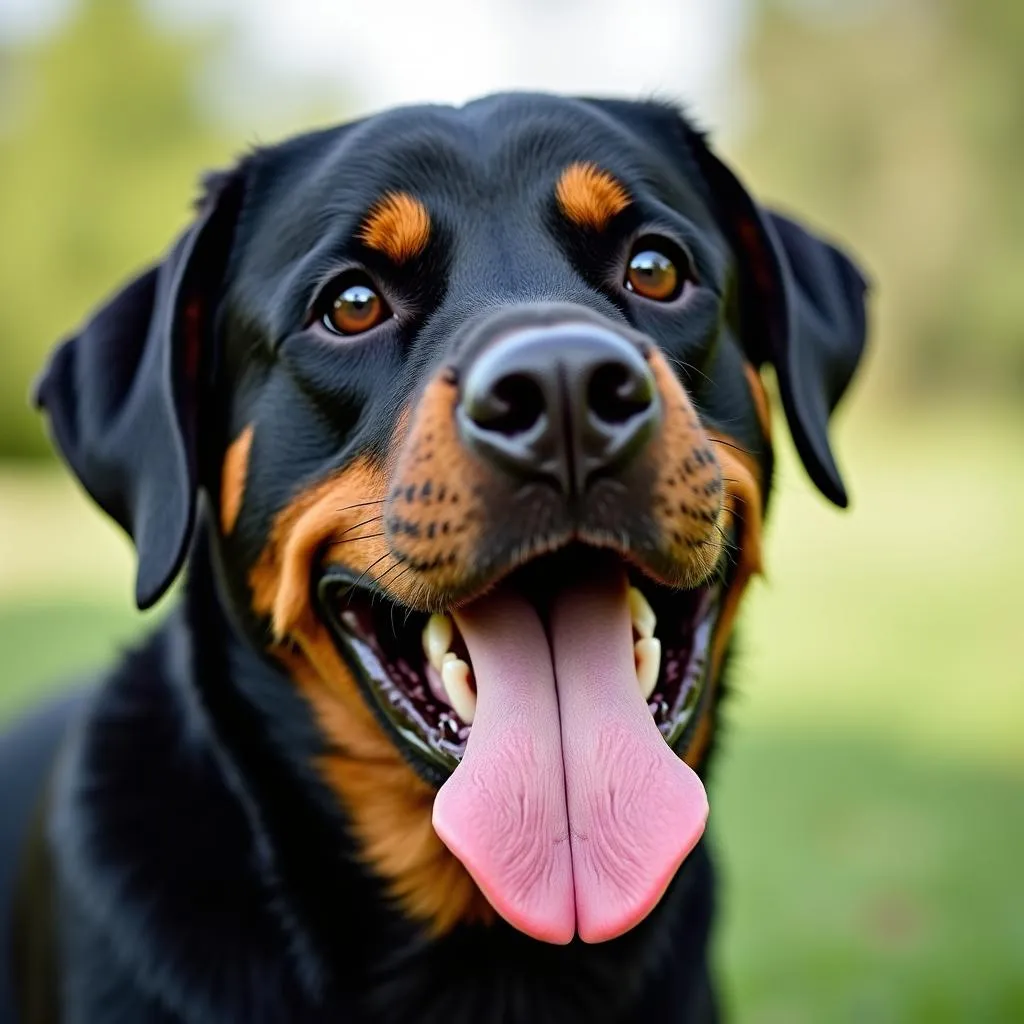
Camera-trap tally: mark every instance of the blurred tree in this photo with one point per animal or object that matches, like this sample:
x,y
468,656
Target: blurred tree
x,y
899,127
101,139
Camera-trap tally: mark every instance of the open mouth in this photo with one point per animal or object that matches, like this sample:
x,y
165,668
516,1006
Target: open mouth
x,y
419,674
548,710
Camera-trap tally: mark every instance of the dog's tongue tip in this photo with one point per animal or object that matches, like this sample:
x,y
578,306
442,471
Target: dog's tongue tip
x,y
568,808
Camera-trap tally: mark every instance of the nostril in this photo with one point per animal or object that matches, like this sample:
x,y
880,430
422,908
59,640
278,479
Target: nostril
x,y
616,392
513,405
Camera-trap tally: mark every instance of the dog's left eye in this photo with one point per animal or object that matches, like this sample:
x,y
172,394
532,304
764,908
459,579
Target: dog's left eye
x,y
354,309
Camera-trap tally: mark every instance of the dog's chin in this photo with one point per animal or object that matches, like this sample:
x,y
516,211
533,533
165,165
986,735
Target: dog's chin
x,y
400,656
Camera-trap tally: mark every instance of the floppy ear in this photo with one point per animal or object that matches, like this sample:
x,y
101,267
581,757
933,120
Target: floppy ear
x,y
804,311
124,395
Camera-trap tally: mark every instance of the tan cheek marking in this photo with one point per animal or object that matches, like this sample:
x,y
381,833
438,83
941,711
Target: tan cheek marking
x,y
389,806
704,482
232,478
332,509
589,196
398,225
687,491
760,397
744,502
387,803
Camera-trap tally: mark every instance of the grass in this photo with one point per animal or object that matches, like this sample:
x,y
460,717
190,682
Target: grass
x,y
868,804
862,883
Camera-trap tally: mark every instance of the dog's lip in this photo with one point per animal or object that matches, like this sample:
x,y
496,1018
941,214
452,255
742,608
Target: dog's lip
x,y
435,751
430,759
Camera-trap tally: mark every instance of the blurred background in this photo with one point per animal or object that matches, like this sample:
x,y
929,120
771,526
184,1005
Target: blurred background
x,y
869,800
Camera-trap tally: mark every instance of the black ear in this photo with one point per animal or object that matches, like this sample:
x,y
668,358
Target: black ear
x,y
804,312
124,395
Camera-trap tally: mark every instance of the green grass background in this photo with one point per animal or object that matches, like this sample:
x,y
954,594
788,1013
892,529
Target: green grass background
x,y
868,803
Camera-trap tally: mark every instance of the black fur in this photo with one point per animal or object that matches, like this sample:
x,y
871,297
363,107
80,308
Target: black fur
x,y
201,869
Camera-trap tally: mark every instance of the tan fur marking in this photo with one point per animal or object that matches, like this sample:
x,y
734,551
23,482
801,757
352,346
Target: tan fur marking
x,y
388,804
232,478
589,196
760,397
398,225
332,509
433,512
687,492
744,503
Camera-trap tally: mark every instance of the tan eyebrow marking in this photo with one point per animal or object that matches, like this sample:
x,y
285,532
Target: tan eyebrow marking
x,y
398,225
590,196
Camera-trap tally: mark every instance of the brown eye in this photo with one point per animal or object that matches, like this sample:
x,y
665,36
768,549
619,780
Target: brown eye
x,y
653,275
355,310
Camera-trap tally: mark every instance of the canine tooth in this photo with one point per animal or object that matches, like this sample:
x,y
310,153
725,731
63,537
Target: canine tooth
x,y
455,676
648,663
642,614
437,638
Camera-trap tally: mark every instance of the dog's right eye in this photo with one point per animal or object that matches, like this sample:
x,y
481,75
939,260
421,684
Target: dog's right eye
x,y
355,307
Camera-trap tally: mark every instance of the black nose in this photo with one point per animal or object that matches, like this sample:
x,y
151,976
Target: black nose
x,y
567,403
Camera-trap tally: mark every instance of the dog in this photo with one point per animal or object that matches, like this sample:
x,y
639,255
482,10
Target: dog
x,y
453,422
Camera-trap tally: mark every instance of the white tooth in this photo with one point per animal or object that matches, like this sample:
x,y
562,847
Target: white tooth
x,y
437,638
648,663
642,614
455,676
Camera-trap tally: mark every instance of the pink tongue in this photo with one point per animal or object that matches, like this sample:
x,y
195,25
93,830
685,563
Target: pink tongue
x,y
568,808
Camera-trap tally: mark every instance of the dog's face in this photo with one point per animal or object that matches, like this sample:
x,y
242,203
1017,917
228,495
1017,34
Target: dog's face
x,y
474,397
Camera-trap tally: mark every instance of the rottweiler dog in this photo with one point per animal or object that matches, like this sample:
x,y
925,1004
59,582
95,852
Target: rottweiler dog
x,y
452,421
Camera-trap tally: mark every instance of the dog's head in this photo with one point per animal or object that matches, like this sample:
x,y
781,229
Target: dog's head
x,y
474,398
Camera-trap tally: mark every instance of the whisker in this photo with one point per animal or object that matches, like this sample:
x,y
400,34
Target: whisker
x,y
379,580
386,571
686,367
360,504
359,578
365,522
394,632
366,536
727,548
729,444
408,611
725,537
